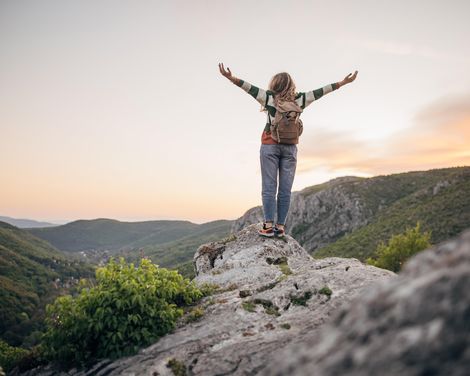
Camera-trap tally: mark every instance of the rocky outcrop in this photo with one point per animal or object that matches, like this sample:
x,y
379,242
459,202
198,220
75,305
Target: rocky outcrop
x,y
271,293
415,324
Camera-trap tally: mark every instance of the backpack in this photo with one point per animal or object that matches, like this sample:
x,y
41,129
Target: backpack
x,y
286,126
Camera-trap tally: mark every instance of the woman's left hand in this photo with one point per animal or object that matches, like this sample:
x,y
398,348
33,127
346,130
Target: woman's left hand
x,y
349,78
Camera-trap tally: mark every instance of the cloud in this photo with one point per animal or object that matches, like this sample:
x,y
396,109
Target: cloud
x,y
439,137
331,149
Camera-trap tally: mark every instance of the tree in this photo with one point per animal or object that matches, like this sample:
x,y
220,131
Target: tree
x,y
400,248
128,307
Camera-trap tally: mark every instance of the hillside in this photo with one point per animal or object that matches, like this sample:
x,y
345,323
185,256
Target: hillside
x,y
443,209
111,234
170,244
349,216
178,254
29,269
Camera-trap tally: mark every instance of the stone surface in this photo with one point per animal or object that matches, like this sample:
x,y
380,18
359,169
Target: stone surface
x,y
245,260
272,294
415,324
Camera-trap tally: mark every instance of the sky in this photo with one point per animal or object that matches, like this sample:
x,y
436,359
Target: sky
x,y
117,109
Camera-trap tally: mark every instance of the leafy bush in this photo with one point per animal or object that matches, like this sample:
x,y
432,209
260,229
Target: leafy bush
x,y
400,248
129,307
177,367
194,314
9,355
325,290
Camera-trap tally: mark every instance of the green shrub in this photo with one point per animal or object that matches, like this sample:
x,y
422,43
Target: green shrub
x,y
400,248
284,268
9,355
325,290
128,307
249,306
301,299
194,314
30,359
177,367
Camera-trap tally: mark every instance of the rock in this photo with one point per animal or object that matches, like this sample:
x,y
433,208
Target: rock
x,y
415,324
261,307
439,186
246,260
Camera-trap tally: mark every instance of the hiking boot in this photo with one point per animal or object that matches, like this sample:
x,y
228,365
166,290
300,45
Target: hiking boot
x,y
266,231
279,233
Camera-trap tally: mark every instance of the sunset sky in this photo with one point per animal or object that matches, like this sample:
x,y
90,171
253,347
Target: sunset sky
x,y
117,109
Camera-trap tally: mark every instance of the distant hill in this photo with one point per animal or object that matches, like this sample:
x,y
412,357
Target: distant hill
x,y
350,216
110,234
25,223
178,254
32,273
170,244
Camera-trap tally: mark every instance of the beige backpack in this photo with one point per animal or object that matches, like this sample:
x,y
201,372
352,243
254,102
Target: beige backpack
x,y
286,127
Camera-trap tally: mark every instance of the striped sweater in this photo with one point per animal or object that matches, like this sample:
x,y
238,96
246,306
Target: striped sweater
x,y
266,99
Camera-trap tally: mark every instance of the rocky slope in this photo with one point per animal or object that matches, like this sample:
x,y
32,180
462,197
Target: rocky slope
x,y
349,216
271,294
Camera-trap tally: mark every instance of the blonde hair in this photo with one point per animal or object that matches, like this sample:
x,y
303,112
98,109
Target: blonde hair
x,y
283,86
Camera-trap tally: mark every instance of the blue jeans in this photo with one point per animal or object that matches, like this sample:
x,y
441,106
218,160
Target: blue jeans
x,y
277,159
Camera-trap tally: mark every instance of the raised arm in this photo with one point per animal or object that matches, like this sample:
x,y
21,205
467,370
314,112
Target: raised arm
x,y
311,96
255,92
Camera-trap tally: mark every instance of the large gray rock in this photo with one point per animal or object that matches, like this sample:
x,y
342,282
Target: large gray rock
x,y
272,294
244,261
415,324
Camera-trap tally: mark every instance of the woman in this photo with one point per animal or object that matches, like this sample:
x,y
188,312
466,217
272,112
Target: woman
x,y
277,158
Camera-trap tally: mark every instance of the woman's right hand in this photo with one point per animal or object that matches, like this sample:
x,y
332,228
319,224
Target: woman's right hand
x,y
226,73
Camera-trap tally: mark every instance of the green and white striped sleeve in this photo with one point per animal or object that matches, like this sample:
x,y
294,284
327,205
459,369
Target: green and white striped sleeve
x,y
311,96
259,94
